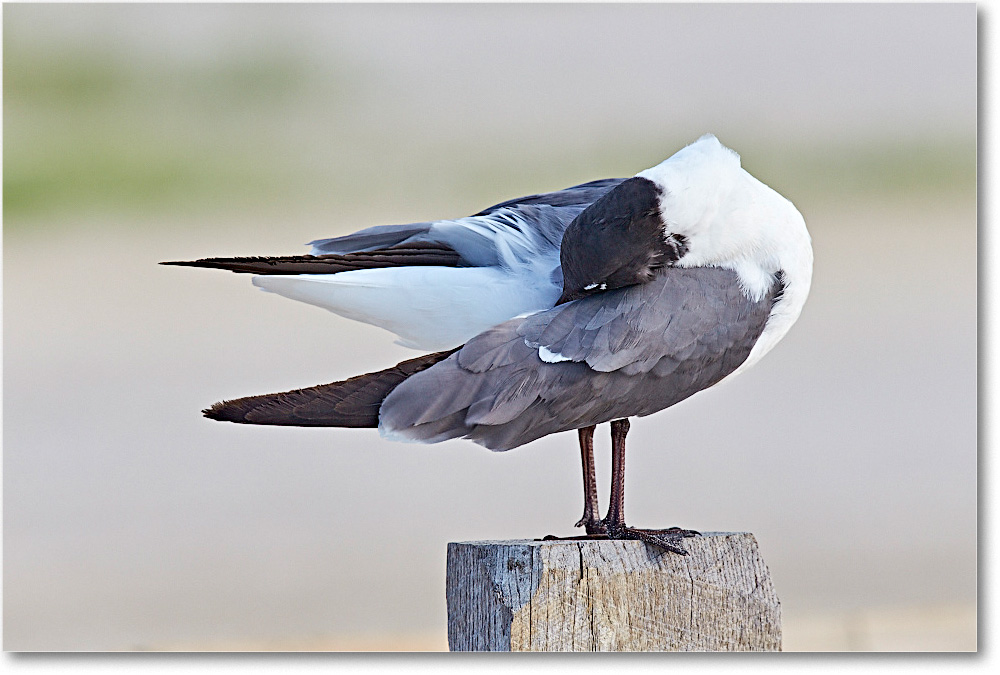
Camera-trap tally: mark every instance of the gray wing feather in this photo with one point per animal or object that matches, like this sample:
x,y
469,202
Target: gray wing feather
x,y
545,216
371,238
632,351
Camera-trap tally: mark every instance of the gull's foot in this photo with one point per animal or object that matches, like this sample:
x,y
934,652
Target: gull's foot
x,y
669,539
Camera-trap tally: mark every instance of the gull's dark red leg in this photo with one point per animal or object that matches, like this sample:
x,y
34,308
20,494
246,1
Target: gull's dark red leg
x,y
614,522
590,519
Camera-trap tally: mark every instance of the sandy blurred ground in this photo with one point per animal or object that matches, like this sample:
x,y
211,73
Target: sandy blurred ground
x,y
923,629
942,628
945,628
135,134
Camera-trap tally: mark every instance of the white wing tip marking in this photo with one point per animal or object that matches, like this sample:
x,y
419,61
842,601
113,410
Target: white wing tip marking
x,y
550,356
396,435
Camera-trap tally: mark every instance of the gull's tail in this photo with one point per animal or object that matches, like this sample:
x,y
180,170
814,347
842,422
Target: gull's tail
x,y
352,403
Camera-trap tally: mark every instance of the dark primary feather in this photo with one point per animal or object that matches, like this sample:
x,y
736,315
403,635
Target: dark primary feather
x,y
351,403
633,351
416,253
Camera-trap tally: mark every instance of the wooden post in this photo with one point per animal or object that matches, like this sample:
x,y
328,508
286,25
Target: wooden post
x,y
602,595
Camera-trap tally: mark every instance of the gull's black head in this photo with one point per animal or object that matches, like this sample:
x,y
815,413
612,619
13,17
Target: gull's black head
x,y
619,240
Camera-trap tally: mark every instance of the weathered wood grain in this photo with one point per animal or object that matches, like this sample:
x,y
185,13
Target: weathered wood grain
x,y
601,595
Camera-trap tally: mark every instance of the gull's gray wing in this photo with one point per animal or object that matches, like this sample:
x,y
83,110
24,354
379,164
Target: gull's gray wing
x,y
630,351
526,225
516,232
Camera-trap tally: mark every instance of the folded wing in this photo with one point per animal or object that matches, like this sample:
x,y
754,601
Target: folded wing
x,y
631,351
437,284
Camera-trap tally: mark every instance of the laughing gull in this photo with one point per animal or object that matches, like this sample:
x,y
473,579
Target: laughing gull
x,y
554,312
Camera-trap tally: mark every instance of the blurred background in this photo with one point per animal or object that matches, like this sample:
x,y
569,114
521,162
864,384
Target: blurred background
x,y
135,134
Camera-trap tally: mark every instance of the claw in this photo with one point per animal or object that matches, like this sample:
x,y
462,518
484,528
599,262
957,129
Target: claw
x,y
678,532
669,539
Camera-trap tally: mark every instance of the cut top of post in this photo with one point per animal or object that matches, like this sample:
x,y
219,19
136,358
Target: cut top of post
x,y
611,595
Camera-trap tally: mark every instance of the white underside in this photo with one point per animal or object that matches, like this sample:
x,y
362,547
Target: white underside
x,y
429,308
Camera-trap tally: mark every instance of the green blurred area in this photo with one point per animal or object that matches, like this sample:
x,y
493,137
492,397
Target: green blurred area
x,y
89,132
